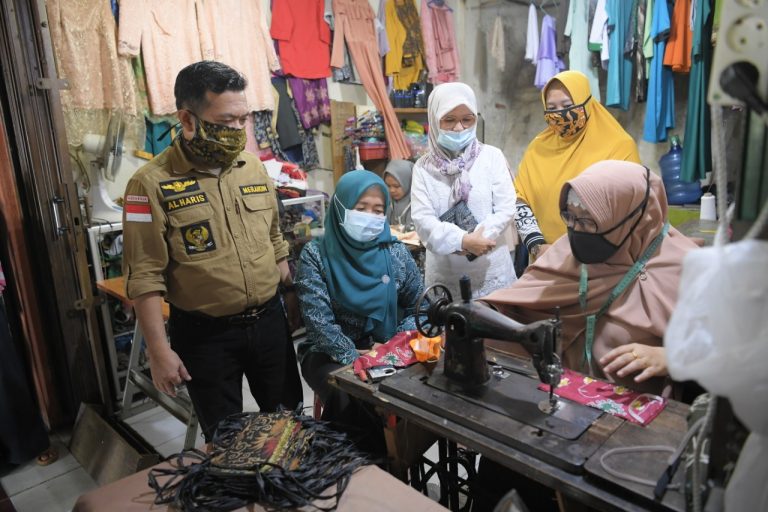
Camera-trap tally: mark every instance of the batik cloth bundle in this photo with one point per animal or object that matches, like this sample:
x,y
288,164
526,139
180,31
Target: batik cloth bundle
x,y
280,460
640,408
396,352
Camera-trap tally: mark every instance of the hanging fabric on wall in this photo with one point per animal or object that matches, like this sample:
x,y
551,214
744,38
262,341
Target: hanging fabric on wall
x,y
381,28
303,37
532,35
354,23
239,37
312,101
439,42
286,125
100,82
660,108
563,41
697,150
83,35
677,55
641,76
159,135
497,43
168,35
405,58
647,37
598,35
266,136
547,65
619,84
579,57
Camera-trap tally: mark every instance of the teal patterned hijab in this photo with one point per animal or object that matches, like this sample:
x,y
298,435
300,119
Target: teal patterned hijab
x,y
359,275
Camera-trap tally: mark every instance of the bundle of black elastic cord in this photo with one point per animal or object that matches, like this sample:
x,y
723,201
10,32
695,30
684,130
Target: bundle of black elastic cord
x,y
195,482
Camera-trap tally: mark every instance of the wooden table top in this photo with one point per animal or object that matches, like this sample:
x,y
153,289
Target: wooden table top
x,y
115,287
592,486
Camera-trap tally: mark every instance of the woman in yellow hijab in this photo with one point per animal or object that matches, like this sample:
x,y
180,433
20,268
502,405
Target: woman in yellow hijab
x,y
580,132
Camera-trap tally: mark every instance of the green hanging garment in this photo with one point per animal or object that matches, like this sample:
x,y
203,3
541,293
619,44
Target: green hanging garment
x,y
697,156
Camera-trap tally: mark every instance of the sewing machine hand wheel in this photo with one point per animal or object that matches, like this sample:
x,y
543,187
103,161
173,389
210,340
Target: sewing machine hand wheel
x,y
431,302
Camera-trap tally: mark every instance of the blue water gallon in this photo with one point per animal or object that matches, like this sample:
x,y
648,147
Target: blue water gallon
x,y
678,191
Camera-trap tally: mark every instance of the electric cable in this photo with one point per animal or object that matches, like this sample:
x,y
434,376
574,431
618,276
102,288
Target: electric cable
x,y
672,461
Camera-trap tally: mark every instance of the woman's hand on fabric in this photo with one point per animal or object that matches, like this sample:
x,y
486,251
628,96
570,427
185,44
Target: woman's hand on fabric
x,y
476,243
645,360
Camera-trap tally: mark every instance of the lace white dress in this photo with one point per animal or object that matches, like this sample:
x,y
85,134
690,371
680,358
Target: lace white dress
x,y
491,201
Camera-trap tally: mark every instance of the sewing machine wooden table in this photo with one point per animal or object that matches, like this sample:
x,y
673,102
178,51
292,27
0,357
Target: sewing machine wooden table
x,y
570,467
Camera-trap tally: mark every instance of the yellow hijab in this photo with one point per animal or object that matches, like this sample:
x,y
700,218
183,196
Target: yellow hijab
x,y
551,160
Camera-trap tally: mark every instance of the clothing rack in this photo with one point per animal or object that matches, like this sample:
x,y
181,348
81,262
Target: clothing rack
x,y
543,4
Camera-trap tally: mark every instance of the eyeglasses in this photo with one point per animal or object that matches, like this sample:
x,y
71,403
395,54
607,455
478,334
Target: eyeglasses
x,y
588,225
585,224
449,122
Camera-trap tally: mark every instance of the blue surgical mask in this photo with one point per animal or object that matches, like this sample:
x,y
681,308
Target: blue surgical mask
x,y
456,141
363,226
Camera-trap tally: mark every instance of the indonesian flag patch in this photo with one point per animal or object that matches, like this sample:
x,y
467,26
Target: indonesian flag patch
x,y
137,209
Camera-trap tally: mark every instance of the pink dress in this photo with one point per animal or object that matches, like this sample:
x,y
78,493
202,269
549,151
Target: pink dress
x,y
439,42
168,36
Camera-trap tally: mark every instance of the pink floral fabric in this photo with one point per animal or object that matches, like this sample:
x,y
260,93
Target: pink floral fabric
x,y
640,408
397,352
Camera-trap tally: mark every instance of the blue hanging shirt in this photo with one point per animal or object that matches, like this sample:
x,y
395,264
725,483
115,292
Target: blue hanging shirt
x,y
660,108
619,63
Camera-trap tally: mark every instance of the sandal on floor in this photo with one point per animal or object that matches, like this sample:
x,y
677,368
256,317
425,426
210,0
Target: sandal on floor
x,y
49,456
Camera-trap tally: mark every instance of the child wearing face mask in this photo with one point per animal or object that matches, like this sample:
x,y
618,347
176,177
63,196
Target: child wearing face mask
x,y
357,287
397,176
579,132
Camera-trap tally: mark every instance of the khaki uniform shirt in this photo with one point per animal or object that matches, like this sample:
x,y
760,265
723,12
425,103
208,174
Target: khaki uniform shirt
x,y
208,243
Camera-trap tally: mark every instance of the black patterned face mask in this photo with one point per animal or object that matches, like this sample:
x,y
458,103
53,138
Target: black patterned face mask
x,y
568,121
215,144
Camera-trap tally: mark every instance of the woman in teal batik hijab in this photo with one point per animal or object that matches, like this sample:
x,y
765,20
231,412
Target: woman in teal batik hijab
x,y
359,270
357,287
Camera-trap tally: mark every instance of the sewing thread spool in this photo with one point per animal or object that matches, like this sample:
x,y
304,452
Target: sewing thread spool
x,y
708,209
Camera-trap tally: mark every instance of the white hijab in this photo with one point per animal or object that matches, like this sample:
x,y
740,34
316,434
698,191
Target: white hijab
x,y
444,98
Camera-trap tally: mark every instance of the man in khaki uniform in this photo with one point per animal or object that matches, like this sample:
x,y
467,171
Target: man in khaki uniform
x,y
201,229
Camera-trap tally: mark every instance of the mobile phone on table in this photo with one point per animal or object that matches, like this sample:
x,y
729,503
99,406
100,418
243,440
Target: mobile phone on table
x,y
378,373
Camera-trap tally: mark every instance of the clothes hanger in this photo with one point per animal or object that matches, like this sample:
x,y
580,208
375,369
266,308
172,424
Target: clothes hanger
x,y
541,7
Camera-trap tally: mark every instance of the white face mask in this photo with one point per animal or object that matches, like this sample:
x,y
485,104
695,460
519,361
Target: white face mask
x,y
363,226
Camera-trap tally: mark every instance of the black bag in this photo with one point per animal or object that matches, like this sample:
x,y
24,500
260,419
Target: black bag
x,y
280,460
460,215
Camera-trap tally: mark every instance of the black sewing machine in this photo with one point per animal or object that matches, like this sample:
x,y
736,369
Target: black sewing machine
x,y
498,395
468,323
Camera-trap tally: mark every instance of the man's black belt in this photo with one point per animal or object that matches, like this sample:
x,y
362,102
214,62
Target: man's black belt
x,y
243,319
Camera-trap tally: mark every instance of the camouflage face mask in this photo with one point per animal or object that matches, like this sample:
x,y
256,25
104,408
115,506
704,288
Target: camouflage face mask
x,y
569,121
215,144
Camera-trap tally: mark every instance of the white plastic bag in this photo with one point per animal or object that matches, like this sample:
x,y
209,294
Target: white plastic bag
x,y
718,333
718,336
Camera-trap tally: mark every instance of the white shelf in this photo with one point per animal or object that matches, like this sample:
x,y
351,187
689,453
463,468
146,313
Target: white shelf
x,y
305,199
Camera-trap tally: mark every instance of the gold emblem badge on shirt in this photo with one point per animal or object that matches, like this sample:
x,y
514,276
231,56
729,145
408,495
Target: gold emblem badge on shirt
x,y
198,238
174,187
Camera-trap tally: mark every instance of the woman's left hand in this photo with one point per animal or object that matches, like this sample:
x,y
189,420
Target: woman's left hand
x,y
633,358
